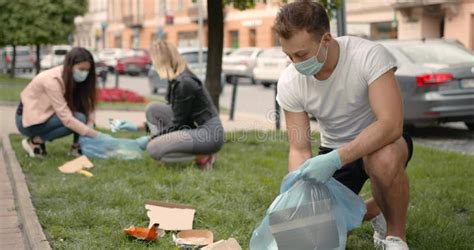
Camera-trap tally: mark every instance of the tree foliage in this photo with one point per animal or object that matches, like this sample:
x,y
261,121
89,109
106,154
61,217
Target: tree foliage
x,y
35,22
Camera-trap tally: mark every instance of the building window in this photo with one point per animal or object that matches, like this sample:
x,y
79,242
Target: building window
x,y
252,37
383,30
180,5
234,39
188,39
118,41
276,38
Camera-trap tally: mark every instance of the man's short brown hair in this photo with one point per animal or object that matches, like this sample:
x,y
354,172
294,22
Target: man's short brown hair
x,y
302,14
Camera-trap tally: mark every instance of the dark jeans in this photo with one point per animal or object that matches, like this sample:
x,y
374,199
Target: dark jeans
x,y
52,129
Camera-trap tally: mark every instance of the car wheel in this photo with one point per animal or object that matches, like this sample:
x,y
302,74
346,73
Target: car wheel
x,y
253,81
228,79
267,84
470,125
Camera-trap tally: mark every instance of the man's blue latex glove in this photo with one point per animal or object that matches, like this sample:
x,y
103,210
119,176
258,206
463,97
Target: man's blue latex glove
x,y
117,125
321,167
290,179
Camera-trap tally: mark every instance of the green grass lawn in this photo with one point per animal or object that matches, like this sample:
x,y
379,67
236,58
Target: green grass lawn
x,y
88,213
10,88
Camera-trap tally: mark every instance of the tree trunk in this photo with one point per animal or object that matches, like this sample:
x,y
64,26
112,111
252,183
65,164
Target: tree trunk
x,y
38,59
215,20
13,68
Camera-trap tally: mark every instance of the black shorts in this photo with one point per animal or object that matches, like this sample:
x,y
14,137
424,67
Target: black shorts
x,y
353,174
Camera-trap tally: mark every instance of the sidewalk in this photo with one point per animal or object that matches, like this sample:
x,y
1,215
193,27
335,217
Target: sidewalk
x,y
19,227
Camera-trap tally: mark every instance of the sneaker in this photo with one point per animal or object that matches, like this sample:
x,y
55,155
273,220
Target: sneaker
x,y
380,229
75,150
206,163
394,243
32,149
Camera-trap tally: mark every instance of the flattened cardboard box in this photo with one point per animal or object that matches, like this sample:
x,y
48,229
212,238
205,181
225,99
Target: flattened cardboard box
x,y
76,165
170,216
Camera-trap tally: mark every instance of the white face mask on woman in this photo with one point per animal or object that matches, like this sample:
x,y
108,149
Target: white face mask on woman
x,y
80,75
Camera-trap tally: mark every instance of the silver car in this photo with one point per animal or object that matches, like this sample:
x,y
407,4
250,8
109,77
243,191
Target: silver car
x,y
25,60
240,63
191,55
436,80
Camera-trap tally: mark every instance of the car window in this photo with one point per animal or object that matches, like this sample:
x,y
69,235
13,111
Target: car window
x,y
193,57
19,53
60,52
139,53
436,53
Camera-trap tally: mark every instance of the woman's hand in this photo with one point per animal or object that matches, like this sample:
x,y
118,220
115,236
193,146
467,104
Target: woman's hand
x,y
91,133
117,125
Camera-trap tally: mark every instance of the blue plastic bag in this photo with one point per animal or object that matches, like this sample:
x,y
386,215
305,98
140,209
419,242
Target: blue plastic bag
x,y
105,146
309,215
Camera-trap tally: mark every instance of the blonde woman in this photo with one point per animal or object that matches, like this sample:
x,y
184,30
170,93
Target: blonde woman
x,y
189,126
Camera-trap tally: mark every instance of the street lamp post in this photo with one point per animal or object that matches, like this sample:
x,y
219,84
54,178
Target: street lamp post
x,y
200,32
103,25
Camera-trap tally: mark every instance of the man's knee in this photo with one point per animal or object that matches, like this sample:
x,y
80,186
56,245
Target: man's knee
x,y
388,161
81,117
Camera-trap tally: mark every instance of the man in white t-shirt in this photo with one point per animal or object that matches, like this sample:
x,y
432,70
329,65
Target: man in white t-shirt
x,y
348,85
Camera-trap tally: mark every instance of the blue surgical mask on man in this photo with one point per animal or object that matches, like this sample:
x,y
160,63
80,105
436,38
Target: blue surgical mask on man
x,y
311,66
80,75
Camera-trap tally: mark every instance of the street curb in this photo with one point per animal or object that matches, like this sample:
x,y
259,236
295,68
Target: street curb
x,y
30,226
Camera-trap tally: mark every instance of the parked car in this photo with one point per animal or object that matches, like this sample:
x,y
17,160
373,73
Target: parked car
x,y
111,55
58,53
270,63
25,59
191,55
240,63
436,80
138,62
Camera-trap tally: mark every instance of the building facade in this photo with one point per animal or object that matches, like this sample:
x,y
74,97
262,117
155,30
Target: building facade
x,y
412,19
90,28
137,23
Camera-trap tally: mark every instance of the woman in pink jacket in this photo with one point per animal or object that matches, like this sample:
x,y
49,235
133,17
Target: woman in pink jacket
x,y
59,102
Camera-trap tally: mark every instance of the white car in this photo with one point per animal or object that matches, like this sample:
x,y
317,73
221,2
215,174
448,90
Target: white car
x,y
270,63
57,56
110,56
240,63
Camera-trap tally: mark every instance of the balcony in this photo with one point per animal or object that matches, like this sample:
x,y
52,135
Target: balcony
x,y
419,3
133,21
193,13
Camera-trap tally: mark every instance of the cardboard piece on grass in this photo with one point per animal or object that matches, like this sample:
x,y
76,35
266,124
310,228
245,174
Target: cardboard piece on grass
x,y
170,216
229,244
76,165
194,238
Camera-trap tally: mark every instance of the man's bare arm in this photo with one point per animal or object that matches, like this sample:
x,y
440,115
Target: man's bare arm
x,y
387,105
298,128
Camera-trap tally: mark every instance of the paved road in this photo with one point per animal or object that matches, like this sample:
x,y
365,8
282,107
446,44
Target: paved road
x,y
259,102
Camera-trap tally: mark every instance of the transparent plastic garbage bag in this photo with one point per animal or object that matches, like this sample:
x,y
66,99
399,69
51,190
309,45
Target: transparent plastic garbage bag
x,y
309,215
105,146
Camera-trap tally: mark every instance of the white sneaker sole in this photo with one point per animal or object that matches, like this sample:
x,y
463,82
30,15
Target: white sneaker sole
x,y
26,146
